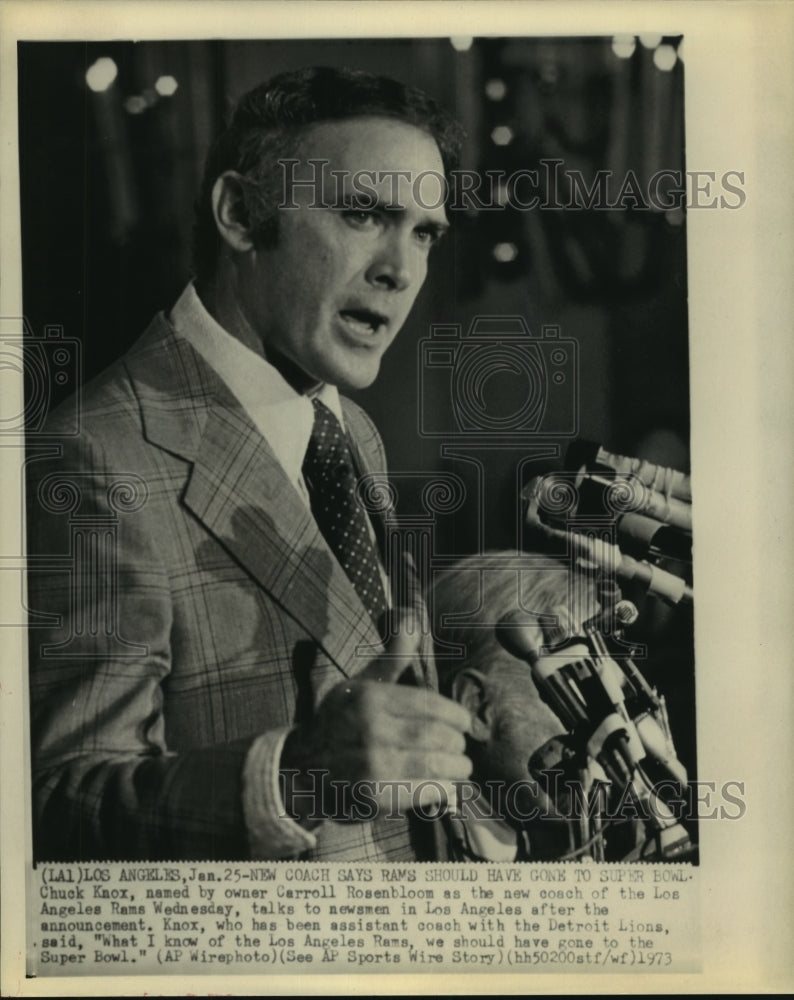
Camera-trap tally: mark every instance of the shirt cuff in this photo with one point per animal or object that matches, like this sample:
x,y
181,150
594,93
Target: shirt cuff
x,y
271,833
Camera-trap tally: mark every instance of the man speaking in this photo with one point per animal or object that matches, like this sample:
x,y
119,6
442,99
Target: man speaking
x,y
218,664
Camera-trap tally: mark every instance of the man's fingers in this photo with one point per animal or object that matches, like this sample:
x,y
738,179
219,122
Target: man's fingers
x,y
420,734
417,766
403,644
418,704
398,656
439,764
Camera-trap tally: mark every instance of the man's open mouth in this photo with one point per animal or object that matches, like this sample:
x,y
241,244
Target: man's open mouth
x,y
363,320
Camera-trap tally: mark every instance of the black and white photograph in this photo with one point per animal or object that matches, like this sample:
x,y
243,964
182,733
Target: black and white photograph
x,y
206,637
358,408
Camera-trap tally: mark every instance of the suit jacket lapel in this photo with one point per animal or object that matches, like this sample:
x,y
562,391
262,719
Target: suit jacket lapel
x,y
241,494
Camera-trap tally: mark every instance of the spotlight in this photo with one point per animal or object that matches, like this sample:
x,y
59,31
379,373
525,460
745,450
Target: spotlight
x,y
502,135
624,45
135,105
505,253
166,86
101,74
495,90
650,40
664,58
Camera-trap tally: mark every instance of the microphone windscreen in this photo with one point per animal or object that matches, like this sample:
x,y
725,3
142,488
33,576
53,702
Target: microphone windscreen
x,y
626,614
519,637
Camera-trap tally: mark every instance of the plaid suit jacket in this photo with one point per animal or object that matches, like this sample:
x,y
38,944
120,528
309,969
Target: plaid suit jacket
x,y
182,602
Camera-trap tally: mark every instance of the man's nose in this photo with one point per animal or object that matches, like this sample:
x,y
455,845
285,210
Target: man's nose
x,y
395,267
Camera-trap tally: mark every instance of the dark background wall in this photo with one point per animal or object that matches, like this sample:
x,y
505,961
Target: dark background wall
x,y
109,178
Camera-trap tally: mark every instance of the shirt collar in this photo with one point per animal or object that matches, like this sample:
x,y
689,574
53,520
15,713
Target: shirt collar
x,y
283,416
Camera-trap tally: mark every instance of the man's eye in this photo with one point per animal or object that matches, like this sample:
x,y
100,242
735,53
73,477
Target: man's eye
x,y
428,236
360,216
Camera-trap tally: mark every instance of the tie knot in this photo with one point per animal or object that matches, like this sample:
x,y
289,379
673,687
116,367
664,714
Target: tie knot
x,y
324,419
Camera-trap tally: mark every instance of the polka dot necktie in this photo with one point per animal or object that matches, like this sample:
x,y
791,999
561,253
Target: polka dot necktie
x,y
331,482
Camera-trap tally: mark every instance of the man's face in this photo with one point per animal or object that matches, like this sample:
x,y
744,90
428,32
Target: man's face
x,y
336,289
520,723
512,723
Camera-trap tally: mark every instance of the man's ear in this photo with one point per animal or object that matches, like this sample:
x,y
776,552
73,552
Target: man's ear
x,y
470,689
228,208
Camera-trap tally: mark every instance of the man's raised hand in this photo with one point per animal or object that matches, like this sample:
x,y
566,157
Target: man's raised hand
x,y
375,741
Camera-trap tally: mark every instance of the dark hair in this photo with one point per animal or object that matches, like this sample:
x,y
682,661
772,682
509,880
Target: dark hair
x,y
269,122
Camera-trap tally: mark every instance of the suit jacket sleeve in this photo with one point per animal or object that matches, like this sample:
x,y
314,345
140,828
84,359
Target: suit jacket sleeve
x,y
105,783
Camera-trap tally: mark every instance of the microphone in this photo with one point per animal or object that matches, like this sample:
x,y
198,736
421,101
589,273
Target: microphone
x,y
649,525
584,692
583,685
581,689
642,705
524,641
670,482
606,556
613,619
594,490
643,537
